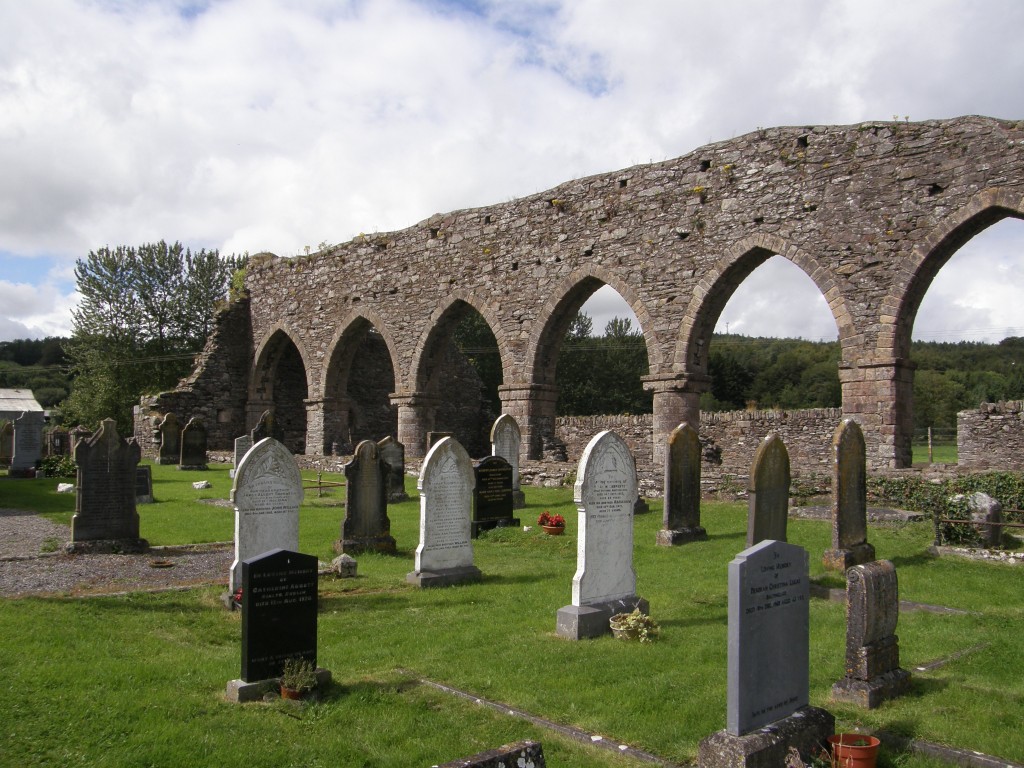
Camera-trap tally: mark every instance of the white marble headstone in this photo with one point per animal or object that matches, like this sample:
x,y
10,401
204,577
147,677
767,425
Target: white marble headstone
x,y
267,493
605,493
506,440
446,500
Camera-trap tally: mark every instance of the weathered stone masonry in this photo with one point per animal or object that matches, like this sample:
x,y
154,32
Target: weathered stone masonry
x,y
991,436
870,212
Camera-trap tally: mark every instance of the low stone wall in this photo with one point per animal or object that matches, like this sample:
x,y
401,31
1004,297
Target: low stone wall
x,y
991,436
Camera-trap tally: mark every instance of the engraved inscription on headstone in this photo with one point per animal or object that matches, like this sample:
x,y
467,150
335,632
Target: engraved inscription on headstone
x,y
849,500
366,527
768,493
267,493
492,497
445,552
28,441
605,582
768,635
279,619
681,521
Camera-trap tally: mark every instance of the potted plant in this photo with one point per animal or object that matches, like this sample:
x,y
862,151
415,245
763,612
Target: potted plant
x,y
634,626
854,750
552,524
298,678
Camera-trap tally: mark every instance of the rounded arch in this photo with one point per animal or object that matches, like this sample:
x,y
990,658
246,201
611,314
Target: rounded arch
x,y
721,281
281,381
558,312
440,325
928,257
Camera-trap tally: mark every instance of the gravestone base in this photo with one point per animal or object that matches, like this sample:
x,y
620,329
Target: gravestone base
x,y
107,547
23,473
841,559
870,693
579,622
193,467
806,729
240,692
445,577
476,526
518,500
384,544
673,538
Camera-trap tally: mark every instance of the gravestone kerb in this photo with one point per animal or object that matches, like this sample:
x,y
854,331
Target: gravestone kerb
x,y
366,527
393,453
604,583
266,495
506,441
445,552
768,492
681,519
105,518
873,672
849,499
492,495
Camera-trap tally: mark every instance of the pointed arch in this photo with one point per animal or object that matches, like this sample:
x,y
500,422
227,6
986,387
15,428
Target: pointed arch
x,y
281,380
345,342
720,282
268,353
558,312
930,255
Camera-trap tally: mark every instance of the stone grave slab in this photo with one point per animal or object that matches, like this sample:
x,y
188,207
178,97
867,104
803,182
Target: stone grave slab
x,y
681,521
523,754
849,499
169,450
393,452
492,497
445,552
193,445
873,672
266,493
506,441
366,527
105,516
768,494
605,582
143,484
27,443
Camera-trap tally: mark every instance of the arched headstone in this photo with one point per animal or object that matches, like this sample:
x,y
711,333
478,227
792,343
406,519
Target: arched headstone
x,y
681,522
169,451
849,499
768,506
366,527
506,442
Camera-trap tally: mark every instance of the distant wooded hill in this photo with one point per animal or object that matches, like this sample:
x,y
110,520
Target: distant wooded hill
x,y
38,365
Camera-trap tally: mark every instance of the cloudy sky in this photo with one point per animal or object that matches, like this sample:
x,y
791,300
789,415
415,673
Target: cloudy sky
x,y
252,125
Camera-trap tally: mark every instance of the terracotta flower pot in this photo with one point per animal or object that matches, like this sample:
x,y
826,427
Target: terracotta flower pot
x,y
854,750
554,530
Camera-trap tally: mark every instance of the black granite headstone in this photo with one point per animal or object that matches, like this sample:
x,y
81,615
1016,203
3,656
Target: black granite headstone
x,y
144,484
492,498
279,602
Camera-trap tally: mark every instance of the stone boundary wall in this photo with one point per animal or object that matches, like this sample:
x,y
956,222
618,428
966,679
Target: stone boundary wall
x,y
991,436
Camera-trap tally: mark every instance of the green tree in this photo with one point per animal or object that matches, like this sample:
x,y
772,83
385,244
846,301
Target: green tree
x,y
145,311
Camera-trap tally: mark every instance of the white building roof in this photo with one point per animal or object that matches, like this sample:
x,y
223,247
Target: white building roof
x,y
14,402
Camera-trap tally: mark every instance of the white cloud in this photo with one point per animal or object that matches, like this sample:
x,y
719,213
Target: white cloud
x,y
253,125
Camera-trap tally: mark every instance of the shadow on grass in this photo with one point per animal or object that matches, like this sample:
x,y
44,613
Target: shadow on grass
x,y
522,578
921,558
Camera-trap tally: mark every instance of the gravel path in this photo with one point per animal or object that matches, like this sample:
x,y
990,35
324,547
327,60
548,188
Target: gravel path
x,y
25,569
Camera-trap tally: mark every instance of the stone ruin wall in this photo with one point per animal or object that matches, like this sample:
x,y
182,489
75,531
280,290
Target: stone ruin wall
x,y
991,436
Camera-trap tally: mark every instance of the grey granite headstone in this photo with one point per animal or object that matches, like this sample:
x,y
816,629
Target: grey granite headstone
x,y
445,552
873,672
266,493
506,441
242,446
605,582
681,522
169,451
193,445
393,452
767,688
28,441
492,495
105,515
849,500
768,495
366,527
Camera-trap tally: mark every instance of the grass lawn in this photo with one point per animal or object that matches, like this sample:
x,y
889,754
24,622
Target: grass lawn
x,y
942,453
139,680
